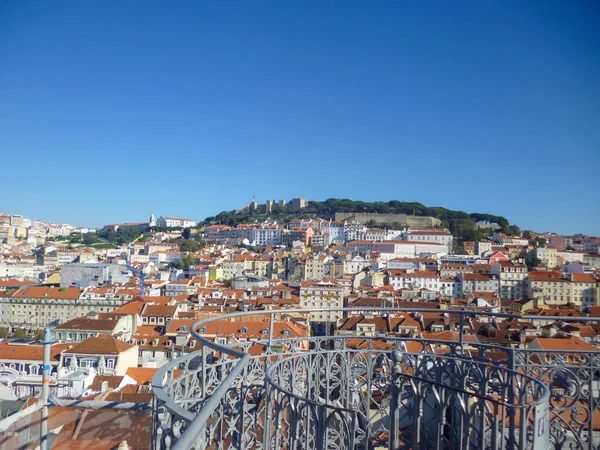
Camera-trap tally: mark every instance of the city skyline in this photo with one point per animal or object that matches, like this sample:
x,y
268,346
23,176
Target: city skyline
x,y
260,202
196,108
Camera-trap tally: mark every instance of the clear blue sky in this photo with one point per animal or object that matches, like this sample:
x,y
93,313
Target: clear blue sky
x,y
111,110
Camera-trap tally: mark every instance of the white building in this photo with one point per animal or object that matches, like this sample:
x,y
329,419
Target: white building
x,y
265,235
357,263
547,255
107,355
512,279
475,282
172,222
325,294
441,236
413,279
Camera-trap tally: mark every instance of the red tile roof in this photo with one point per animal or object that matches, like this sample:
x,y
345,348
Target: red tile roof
x,y
100,345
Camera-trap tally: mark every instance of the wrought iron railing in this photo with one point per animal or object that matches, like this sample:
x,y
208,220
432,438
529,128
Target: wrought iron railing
x,y
330,394
314,392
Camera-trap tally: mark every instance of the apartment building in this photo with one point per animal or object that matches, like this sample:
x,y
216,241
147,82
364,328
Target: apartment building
x,y
413,279
324,294
553,288
512,278
38,306
173,222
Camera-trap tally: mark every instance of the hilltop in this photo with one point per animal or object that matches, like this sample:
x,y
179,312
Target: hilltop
x,y
463,225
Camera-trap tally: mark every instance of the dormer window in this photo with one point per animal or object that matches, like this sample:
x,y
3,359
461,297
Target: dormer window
x,y
286,332
265,331
202,330
244,330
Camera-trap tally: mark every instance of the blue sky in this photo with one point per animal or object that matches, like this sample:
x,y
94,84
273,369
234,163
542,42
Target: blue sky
x,y
111,110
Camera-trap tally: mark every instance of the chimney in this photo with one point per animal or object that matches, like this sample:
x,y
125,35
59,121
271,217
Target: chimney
x,y
104,387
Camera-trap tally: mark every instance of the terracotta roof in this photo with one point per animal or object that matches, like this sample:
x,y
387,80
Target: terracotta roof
x,y
176,324
583,278
546,275
477,277
131,307
142,375
159,311
100,345
48,292
149,330
14,282
452,336
29,352
85,323
113,382
571,343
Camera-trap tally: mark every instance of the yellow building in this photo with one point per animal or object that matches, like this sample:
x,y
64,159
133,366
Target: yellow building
x,y
548,256
550,289
314,268
215,273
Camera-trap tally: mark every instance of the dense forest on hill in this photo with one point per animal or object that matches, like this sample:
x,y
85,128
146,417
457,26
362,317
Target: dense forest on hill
x,y
463,225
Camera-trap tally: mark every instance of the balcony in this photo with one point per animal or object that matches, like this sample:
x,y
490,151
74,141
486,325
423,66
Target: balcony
x,y
370,392
327,393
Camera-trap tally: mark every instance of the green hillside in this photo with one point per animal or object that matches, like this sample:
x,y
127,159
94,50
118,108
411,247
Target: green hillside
x,y
461,224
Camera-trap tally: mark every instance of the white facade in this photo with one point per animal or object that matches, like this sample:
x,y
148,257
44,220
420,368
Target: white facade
x,y
356,264
265,236
571,256
441,236
512,279
324,295
547,255
414,279
172,222
476,282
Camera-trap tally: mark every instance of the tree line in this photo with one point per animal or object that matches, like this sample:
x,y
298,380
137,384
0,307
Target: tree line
x,y
463,225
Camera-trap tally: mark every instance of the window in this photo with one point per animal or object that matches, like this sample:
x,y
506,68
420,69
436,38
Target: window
x,y
110,363
87,362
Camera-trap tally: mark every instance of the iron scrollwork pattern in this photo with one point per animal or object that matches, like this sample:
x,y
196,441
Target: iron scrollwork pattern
x,y
326,392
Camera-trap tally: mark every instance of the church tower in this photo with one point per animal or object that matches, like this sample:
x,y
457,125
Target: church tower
x,y
152,220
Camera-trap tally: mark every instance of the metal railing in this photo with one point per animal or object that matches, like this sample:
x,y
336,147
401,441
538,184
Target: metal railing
x,y
473,395
364,392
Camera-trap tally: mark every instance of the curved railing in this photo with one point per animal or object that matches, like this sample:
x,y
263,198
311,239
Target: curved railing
x,y
324,399
238,396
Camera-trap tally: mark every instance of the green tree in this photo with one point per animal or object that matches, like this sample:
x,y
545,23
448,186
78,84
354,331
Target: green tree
x,y
186,262
189,245
19,333
531,261
3,333
187,232
514,230
39,335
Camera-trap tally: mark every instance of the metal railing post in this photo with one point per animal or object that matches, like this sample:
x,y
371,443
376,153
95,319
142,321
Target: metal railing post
x,y
46,370
461,331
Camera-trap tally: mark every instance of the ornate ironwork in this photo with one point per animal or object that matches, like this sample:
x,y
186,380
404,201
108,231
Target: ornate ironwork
x,y
335,395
